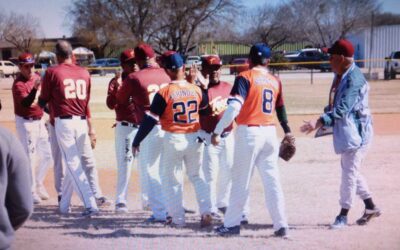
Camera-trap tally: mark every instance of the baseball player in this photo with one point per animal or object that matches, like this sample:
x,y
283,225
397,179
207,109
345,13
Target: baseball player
x,y
88,165
349,115
139,89
177,108
125,129
30,125
217,160
66,87
255,96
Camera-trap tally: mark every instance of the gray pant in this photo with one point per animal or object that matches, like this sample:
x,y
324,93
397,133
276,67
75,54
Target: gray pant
x,y
352,180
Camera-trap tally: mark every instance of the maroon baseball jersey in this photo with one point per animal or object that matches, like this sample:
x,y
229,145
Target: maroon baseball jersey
x,y
21,89
139,89
217,95
122,112
67,89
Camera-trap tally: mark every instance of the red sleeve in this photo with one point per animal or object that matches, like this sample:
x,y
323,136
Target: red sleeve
x,y
111,100
45,89
19,92
125,91
279,100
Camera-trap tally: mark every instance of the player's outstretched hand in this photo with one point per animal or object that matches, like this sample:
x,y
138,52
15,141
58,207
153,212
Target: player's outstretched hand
x,y
215,139
310,126
135,151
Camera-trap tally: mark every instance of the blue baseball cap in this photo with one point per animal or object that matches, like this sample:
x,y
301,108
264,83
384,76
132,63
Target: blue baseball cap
x,y
173,61
259,51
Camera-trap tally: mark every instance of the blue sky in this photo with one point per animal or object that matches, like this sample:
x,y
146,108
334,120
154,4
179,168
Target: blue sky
x,y
52,13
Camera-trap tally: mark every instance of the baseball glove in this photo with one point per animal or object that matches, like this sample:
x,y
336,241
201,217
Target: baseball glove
x,y
93,140
288,147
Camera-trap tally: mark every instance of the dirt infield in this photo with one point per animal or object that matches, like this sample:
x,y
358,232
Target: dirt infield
x,y
310,182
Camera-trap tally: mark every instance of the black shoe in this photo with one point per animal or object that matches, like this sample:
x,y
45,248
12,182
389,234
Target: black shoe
x,y
188,211
227,231
368,215
103,202
283,232
89,212
244,221
222,209
59,199
153,219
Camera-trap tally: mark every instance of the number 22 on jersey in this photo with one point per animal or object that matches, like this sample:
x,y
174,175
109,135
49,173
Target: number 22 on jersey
x,y
75,89
185,112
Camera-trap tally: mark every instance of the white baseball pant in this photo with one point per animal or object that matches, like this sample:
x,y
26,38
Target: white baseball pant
x,y
149,165
72,135
179,149
217,167
88,165
59,170
352,180
35,139
256,146
124,136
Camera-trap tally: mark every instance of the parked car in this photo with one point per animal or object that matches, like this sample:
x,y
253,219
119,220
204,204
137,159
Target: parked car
x,y
190,60
104,65
8,68
238,65
392,65
309,55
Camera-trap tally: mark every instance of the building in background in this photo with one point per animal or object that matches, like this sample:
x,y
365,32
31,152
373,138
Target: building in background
x,y
384,40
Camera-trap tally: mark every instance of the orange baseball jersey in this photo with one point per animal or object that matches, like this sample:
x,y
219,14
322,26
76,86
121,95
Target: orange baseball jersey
x,y
177,106
260,93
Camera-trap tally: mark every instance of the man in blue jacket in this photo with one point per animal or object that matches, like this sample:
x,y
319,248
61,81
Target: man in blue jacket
x,y
349,116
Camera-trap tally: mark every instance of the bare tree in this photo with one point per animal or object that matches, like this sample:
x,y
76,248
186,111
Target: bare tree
x,y
270,24
180,21
19,30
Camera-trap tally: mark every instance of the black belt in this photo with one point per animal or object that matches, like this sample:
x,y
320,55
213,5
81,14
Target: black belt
x,y
31,118
83,117
128,124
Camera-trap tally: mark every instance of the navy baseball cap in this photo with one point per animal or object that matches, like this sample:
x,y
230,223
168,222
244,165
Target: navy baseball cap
x,y
173,61
259,51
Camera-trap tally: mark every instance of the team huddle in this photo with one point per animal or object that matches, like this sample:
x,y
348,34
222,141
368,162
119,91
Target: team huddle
x,y
170,121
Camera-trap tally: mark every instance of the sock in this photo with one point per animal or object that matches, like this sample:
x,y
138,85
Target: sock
x,y
344,212
369,204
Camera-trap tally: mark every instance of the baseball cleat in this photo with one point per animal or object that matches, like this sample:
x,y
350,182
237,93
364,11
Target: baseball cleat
x,y
227,231
42,193
283,232
36,199
206,220
189,211
89,212
103,202
121,208
222,209
340,222
368,215
244,221
170,223
153,219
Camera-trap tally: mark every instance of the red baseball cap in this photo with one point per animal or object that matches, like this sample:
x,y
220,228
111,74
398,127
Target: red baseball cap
x,y
341,47
144,51
211,61
127,55
26,58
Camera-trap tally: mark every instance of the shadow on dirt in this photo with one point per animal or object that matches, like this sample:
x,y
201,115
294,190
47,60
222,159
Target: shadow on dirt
x,y
133,225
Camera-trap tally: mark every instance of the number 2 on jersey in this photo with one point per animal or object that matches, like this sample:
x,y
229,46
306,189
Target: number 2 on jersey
x,y
183,111
75,89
